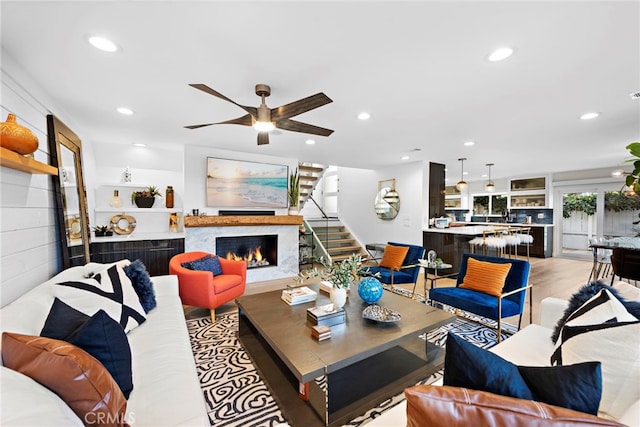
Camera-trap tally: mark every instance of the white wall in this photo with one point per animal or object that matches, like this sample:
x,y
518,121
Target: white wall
x,y
358,188
29,243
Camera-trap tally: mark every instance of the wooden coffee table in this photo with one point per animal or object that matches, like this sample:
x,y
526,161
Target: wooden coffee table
x,y
363,364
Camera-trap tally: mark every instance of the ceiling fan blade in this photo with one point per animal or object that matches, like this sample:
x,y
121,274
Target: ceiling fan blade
x,y
292,125
263,138
300,106
245,120
251,110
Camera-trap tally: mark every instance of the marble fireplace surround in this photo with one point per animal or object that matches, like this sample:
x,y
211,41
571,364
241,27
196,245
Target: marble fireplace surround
x,y
201,232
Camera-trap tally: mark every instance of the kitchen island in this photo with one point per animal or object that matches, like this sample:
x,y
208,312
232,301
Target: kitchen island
x,y
451,243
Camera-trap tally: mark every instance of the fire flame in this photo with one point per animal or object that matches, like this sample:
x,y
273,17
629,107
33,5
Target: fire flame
x,y
254,256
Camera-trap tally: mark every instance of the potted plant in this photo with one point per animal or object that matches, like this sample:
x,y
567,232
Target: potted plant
x,y
633,179
103,230
294,192
146,197
341,275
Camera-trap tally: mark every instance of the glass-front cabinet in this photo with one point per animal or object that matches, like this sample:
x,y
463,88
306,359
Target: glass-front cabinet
x,y
452,197
528,192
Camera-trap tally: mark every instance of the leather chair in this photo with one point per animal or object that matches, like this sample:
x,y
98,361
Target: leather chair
x,y
202,288
408,272
510,303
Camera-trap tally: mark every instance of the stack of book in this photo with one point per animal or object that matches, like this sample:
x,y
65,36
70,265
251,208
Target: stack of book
x,y
327,315
300,295
321,332
325,286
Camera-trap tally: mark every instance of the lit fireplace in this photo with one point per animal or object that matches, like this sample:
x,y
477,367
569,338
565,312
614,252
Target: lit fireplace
x,y
257,251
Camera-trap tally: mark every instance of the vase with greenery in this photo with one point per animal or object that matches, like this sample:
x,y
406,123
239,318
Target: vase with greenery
x,y
294,192
145,198
340,274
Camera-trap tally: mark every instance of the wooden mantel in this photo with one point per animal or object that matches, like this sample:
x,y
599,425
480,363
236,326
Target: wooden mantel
x,y
241,220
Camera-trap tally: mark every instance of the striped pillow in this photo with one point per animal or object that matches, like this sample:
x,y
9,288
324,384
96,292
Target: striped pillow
x,y
393,256
485,277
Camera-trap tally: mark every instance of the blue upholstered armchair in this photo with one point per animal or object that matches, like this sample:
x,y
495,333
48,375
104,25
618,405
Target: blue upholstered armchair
x,y
510,303
408,273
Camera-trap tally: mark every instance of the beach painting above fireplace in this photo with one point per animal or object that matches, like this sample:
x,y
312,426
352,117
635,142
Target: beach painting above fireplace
x,y
237,183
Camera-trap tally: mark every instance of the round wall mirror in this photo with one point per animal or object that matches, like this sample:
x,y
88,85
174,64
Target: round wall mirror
x,y
387,203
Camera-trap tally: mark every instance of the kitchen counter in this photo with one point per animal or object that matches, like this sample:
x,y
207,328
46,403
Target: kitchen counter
x,y
450,243
500,224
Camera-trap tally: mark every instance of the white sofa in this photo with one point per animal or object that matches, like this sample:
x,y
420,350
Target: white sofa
x,y
166,386
531,346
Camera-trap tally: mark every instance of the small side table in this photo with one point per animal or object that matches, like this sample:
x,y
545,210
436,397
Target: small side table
x,y
375,250
428,267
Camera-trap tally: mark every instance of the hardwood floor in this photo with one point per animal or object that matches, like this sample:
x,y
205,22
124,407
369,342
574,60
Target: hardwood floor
x,y
550,277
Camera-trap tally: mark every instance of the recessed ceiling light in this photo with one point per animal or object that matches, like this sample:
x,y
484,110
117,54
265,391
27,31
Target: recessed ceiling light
x,y
139,144
364,116
465,173
484,175
310,142
404,158
124,110
103,43
500,54
589,116
469,143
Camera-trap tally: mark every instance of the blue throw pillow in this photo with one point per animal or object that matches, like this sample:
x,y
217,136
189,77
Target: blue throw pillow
x,y
207,263
142,284
99,335
62,321
577,387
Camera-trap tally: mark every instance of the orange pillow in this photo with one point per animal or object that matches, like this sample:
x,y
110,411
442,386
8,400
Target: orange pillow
x,y
394,256
485,277
79,379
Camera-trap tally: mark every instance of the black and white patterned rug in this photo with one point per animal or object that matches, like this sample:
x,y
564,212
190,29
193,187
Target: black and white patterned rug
x,y
236,396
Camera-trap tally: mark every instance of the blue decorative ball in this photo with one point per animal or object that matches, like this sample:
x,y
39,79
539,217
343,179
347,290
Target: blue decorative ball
x,y
370,290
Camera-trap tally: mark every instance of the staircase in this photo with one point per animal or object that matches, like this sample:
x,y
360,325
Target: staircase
x,y
310,174
336,239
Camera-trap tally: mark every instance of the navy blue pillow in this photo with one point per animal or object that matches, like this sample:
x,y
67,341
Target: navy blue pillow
x,y
99,335
207,263
62,321
468,366
137,273
577,387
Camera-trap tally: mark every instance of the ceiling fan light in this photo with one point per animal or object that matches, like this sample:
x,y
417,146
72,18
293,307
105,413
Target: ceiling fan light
x,y
264,126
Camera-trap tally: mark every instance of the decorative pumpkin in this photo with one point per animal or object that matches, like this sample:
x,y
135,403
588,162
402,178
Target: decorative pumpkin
x,y
16,137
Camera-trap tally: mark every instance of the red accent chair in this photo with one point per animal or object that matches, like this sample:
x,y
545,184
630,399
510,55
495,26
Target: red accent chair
x,y
202,288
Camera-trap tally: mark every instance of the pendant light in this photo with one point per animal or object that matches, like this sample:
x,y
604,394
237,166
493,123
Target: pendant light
x,y
462,184
490,186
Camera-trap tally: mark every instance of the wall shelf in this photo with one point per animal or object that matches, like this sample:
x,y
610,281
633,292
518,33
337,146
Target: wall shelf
x,y
25,164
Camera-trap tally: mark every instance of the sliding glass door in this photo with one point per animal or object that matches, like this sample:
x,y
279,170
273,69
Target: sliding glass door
x,y
591,211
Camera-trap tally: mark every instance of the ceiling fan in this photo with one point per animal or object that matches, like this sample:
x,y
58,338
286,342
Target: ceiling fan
x,y
264,119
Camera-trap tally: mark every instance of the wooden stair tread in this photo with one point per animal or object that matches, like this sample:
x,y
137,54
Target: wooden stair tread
x,y
314,169
343,248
